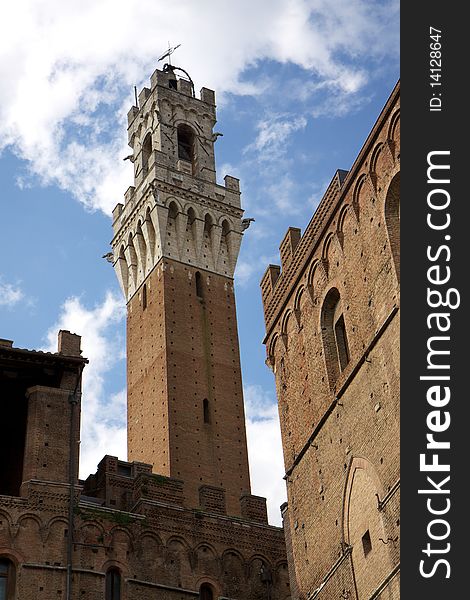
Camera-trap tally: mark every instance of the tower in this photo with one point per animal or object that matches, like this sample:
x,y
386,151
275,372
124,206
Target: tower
x,y
176,242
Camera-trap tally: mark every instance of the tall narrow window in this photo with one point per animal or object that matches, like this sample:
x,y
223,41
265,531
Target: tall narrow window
x,y
205,405
335,341
366,543
341,342
146,152
205,592
113,584
144,297
7,579
185,143
199,293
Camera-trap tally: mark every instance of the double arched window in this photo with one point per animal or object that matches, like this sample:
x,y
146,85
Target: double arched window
x,y
7,579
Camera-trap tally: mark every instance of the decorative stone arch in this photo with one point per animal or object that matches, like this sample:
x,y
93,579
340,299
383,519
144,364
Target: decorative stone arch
x,y
132,259
152,535
233,552
190,207
326,249
177,539
172,201
360,183
258,575
149,231
378,148
393,128
140,246
119,530
343,214
363,528
316,264
285,320
297,301
32,517
271,351
392,219
123,270
207,546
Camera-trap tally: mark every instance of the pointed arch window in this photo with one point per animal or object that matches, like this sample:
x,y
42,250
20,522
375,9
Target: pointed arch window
x,y
335,339
185,143
113,584
7,579
146,152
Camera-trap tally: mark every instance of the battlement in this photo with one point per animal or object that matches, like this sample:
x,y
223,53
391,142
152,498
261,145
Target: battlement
x,y
124,486
295,251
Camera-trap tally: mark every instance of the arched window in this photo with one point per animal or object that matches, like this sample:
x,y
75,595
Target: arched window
x,y
205,406
335,340
113,584
199,293
205,592
7,579
144,297
146,152
185,143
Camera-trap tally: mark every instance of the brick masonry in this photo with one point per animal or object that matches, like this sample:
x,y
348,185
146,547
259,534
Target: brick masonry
x,y
178,521
332,322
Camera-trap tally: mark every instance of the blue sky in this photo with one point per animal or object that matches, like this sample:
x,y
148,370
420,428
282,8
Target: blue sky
x,y
299,84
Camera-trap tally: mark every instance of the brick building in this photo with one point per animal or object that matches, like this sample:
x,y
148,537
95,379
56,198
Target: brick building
x,y
178,521
332,339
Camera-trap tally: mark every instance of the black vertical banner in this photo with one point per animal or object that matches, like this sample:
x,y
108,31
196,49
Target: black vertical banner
x,y
435,434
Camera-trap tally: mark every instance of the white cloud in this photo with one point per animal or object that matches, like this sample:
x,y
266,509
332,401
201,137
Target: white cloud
x,y
253,266
272,140
265,449
70,73
10,294
103,418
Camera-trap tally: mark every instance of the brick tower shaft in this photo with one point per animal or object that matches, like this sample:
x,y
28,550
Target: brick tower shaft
x,y
175,248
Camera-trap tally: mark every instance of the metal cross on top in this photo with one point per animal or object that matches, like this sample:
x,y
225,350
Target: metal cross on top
x,y
168,53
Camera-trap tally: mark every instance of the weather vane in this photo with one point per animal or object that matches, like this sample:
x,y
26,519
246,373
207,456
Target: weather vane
x,y
168,53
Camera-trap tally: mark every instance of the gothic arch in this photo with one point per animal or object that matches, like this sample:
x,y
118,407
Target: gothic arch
x,y
375,156
311,271
364,530
335,339
361,181
392,220
394,125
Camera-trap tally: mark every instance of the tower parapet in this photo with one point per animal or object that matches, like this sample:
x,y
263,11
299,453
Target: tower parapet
x,y
175,208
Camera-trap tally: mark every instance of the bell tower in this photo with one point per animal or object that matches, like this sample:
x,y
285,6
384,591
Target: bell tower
x,y
175,246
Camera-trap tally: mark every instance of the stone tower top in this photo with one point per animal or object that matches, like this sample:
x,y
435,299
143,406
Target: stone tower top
x,y
175,208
